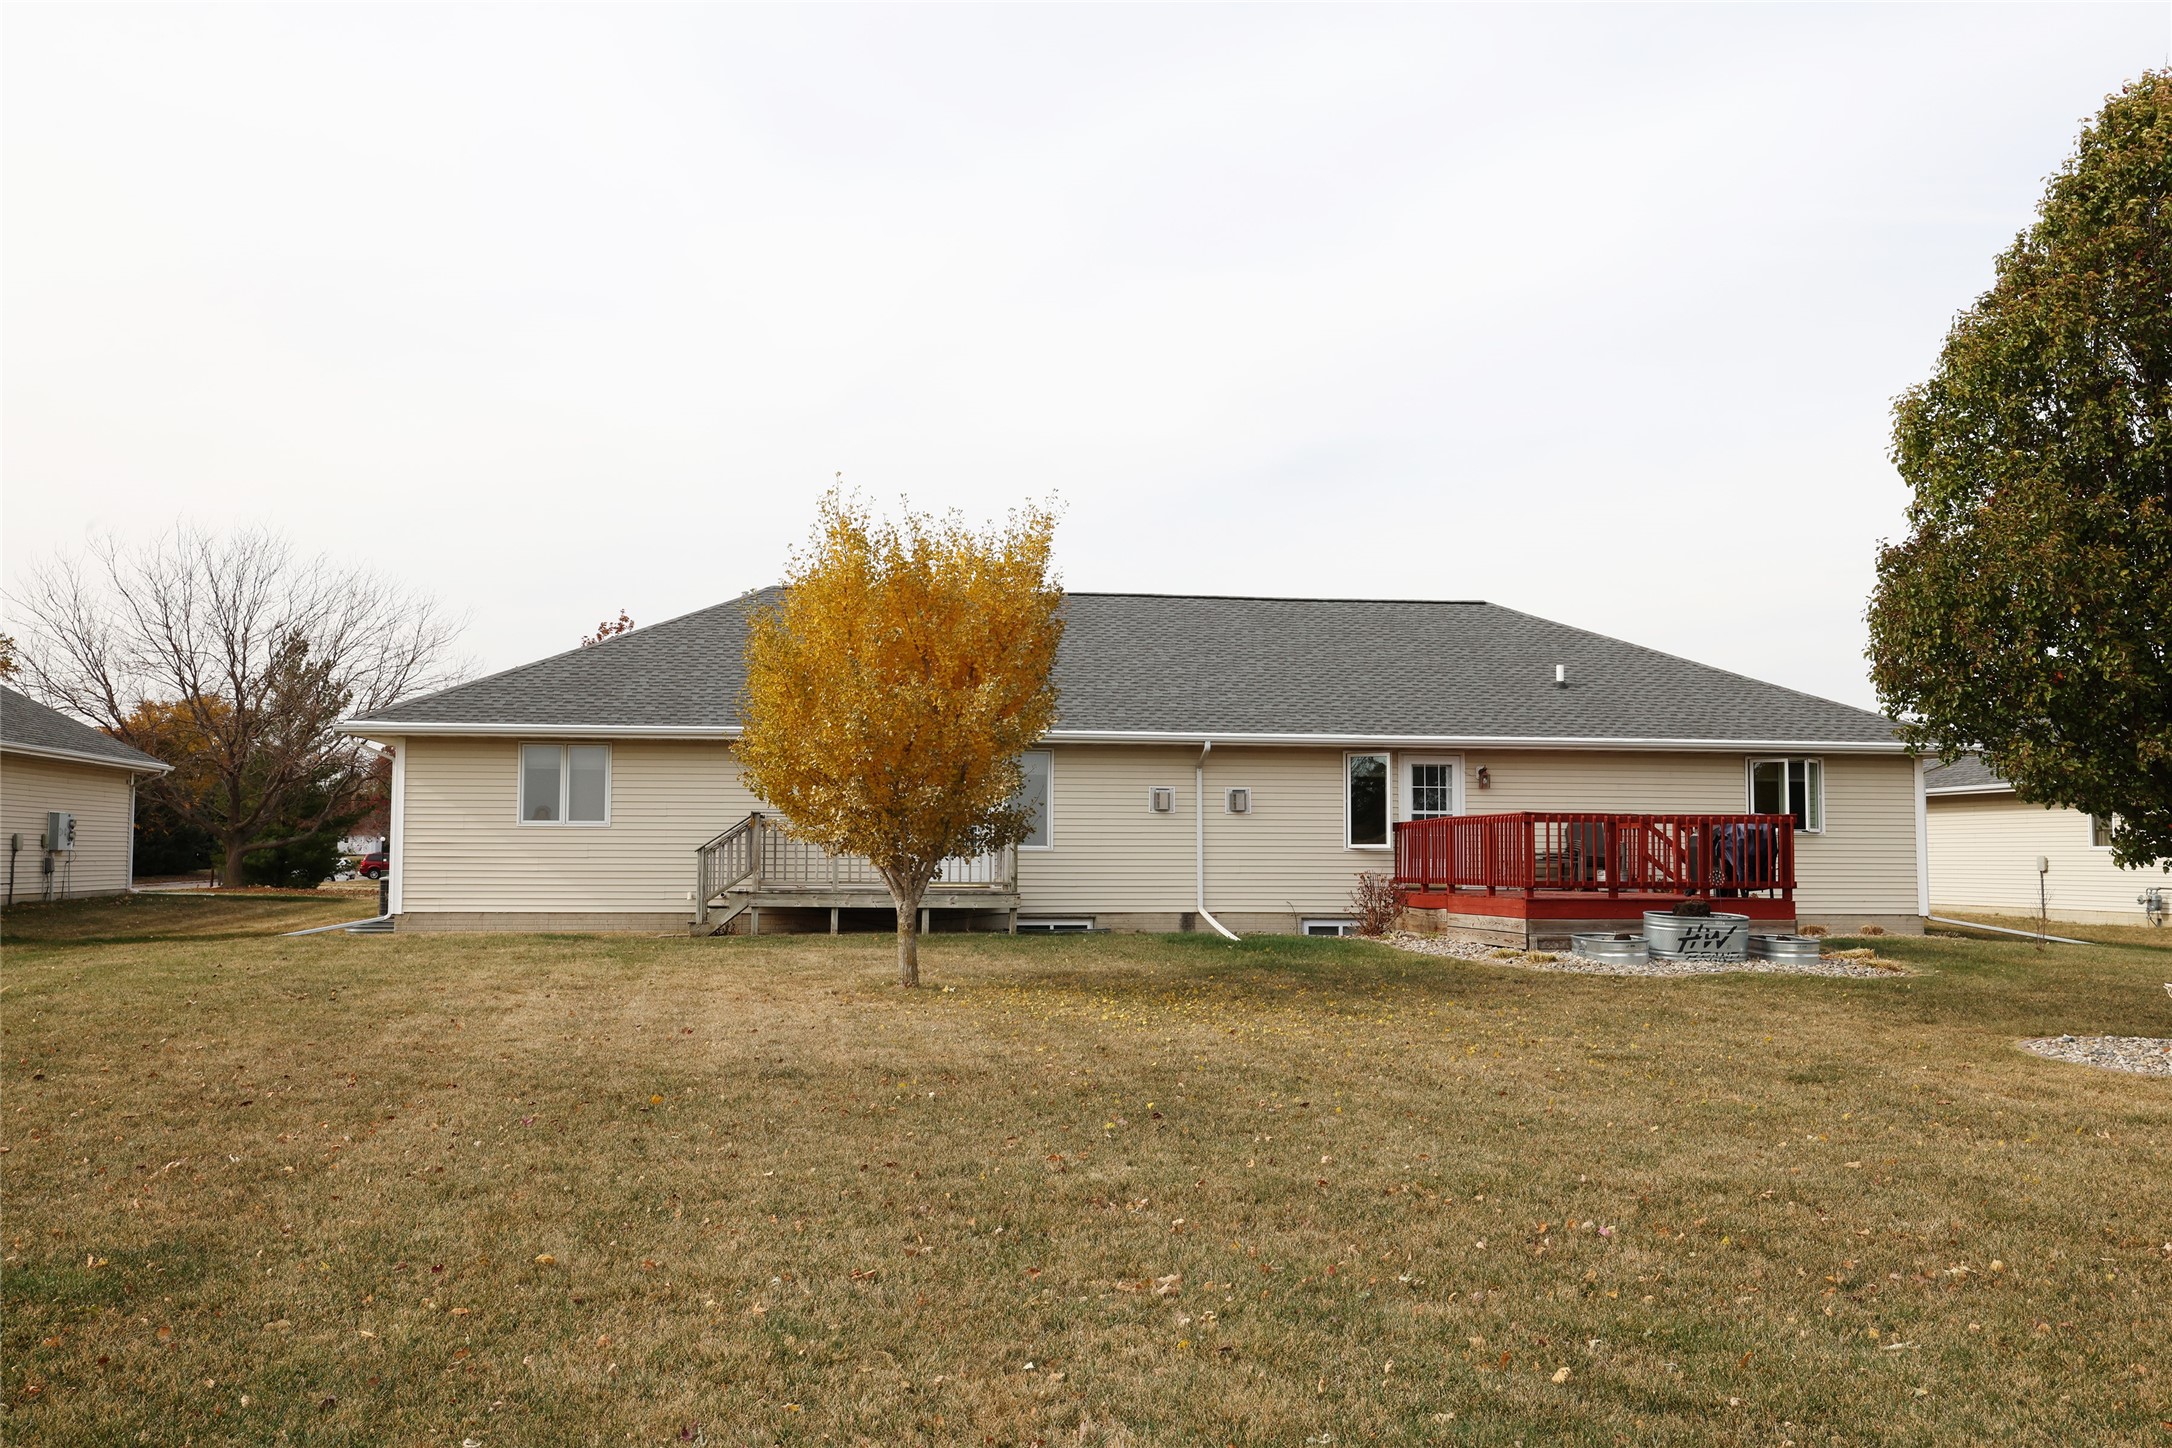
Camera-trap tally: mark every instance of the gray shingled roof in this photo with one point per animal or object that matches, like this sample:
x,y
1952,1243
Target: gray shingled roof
x,y
27,724
1968,772
1153,663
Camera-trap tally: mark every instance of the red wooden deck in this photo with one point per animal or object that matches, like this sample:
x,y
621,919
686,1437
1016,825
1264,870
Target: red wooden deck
x,y
1591,866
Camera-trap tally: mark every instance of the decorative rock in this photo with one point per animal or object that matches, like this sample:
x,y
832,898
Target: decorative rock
x,y
2144,1055
1471,950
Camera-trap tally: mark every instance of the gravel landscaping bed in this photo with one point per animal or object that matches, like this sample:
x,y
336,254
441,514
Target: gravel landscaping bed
x,y
1865,967
2147,1055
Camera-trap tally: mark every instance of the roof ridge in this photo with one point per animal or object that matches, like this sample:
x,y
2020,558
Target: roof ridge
x,y
1273,598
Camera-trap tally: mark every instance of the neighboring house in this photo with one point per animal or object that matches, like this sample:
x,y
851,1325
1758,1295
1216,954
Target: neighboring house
x,y
52,765
1218,761
1986,842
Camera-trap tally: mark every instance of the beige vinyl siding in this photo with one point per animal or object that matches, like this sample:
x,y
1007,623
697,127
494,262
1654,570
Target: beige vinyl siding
x,y
464,851
97,796
1984,849
464,848
1288,853
1625,781
1865,861
1107,850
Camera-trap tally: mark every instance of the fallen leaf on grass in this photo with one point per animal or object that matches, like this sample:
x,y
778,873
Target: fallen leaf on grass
x,y
1561,1375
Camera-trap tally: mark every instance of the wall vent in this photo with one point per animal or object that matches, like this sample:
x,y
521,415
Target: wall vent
x,y
1239,801
1161,799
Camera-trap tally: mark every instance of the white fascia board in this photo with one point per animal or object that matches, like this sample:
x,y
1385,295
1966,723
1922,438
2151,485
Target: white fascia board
x,y
390,728
77,756
1936,792
396,728
1468,741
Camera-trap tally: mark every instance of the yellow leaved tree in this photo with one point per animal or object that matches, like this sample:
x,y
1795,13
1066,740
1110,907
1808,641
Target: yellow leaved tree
x,y
893,685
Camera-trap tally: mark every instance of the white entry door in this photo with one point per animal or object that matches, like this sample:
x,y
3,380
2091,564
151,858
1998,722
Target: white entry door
x,y
1432,785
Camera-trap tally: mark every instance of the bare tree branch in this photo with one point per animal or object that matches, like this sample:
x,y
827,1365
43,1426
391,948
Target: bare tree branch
x,y
259,651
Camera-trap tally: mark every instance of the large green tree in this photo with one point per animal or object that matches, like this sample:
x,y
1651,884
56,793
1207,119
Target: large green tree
x,y
2029,611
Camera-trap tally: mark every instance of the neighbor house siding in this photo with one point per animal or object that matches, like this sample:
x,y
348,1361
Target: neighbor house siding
x,y
98,797
1984,849
465,850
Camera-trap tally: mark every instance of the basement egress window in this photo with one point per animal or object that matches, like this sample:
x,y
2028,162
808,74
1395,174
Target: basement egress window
x,y
565,784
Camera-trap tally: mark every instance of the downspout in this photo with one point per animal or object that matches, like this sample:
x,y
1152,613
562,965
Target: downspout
x,y
1923,839
1199,792
395,894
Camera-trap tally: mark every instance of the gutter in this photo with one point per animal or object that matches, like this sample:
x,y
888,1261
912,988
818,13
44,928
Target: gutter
x,y
1199,797
391,728
146,765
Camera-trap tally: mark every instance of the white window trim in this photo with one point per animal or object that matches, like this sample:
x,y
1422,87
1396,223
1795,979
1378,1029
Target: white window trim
x,y
1403,762
1383,754
1051,803
1053,925
1749,787
2089,830
565,784
1304,926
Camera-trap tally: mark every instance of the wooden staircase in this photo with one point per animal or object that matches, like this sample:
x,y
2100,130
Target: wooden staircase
x,y
757,864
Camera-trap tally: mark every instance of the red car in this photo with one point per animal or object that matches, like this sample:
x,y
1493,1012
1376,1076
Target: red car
x,y
373,865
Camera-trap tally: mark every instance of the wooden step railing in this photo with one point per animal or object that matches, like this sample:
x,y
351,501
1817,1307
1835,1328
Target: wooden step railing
x,y
759,853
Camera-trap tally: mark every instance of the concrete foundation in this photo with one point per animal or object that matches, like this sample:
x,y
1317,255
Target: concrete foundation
x,y
534,922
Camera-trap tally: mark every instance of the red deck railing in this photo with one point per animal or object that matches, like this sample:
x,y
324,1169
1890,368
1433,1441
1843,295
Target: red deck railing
x,y
1613,854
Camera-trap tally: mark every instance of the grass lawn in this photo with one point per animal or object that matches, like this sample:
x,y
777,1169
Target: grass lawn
x,y
1128,1190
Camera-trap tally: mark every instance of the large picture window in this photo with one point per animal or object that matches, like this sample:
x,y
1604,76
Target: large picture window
x,y
1365,811
1790,787
565,784
1039,766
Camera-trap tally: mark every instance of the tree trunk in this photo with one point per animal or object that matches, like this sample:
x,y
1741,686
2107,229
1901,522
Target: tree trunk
x,y
230,877
906,893
908,944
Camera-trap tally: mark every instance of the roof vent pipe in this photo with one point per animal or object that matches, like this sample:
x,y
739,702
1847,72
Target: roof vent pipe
x,y
1561,676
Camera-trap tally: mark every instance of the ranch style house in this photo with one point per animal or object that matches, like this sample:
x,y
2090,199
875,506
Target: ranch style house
x,y
1229,764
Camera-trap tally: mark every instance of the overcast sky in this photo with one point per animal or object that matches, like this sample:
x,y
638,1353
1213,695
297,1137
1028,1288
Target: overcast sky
x,y
1596,313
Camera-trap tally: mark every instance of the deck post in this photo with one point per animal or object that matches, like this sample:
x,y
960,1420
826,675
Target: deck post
x,y
924,914
754,920
1014,922
833,915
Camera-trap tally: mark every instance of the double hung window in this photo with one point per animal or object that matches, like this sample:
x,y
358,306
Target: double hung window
x,y
565,784
1790,787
